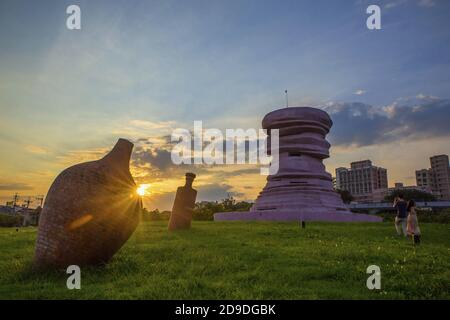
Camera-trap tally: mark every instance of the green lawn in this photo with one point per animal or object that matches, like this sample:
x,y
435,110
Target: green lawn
x,y
237,260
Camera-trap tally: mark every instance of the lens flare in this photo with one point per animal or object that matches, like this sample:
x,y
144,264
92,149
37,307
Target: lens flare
x,y
142,190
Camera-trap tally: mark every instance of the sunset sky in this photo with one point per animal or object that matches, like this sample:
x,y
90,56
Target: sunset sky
x,y
139,69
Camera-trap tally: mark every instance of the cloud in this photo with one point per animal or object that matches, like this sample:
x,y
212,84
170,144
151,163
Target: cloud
x,y
157,158
426,3
152,125
420,3
15,186
36,149
78,156
153,165
207,192
361,124
215,191
394,4
359,92
144,132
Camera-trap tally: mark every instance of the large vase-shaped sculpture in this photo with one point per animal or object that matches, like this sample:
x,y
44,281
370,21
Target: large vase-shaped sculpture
x,y
301,190
90,211
183,206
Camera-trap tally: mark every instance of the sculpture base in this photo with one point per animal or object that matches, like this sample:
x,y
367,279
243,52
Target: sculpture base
x,y
295,216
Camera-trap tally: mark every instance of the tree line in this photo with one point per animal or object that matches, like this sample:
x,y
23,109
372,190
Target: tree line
x,y
203,210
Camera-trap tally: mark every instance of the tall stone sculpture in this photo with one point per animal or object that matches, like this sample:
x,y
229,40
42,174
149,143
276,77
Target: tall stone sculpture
x,y
181,215
90,211
302,189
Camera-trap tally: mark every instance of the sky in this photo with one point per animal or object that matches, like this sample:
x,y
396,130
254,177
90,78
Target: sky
x,y
140,69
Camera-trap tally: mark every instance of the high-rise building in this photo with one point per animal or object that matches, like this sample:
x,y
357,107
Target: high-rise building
x,y
364,181
424,178
437,178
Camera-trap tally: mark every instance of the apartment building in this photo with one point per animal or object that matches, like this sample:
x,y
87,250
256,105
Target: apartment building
x,y
365,182
436,178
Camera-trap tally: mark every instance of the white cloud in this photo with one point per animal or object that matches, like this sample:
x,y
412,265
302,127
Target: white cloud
x,y
420,3
422,96
394,4
426,3
359,92
153,125
36,149
361,124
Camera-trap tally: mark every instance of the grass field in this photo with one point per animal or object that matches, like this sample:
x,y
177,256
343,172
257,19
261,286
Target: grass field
x,y
237,260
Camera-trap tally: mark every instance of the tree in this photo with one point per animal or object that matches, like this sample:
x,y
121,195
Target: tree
x,y
205,210
346,196
228,203
154,215
413,194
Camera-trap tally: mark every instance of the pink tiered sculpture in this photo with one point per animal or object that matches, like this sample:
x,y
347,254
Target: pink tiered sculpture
x,y
301,190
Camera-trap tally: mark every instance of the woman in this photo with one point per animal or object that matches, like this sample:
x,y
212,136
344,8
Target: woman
x,y
412,226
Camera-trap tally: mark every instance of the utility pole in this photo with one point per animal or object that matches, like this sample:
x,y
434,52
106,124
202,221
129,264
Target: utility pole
x,y
27,202
16,197
40,198
287,100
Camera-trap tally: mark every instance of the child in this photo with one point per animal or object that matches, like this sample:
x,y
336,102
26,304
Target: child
x,y
412,223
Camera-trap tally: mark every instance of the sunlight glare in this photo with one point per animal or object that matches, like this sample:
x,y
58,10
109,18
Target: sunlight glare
x,y
142,190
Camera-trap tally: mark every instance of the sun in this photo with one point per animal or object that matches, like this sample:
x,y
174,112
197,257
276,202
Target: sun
x,y
142,190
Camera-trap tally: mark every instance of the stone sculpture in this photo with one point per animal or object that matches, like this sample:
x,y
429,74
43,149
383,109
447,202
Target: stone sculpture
x,y
183,206
90,211
301,190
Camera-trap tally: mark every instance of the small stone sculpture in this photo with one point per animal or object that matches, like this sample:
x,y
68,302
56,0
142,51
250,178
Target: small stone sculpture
x,y
183,205
90,211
